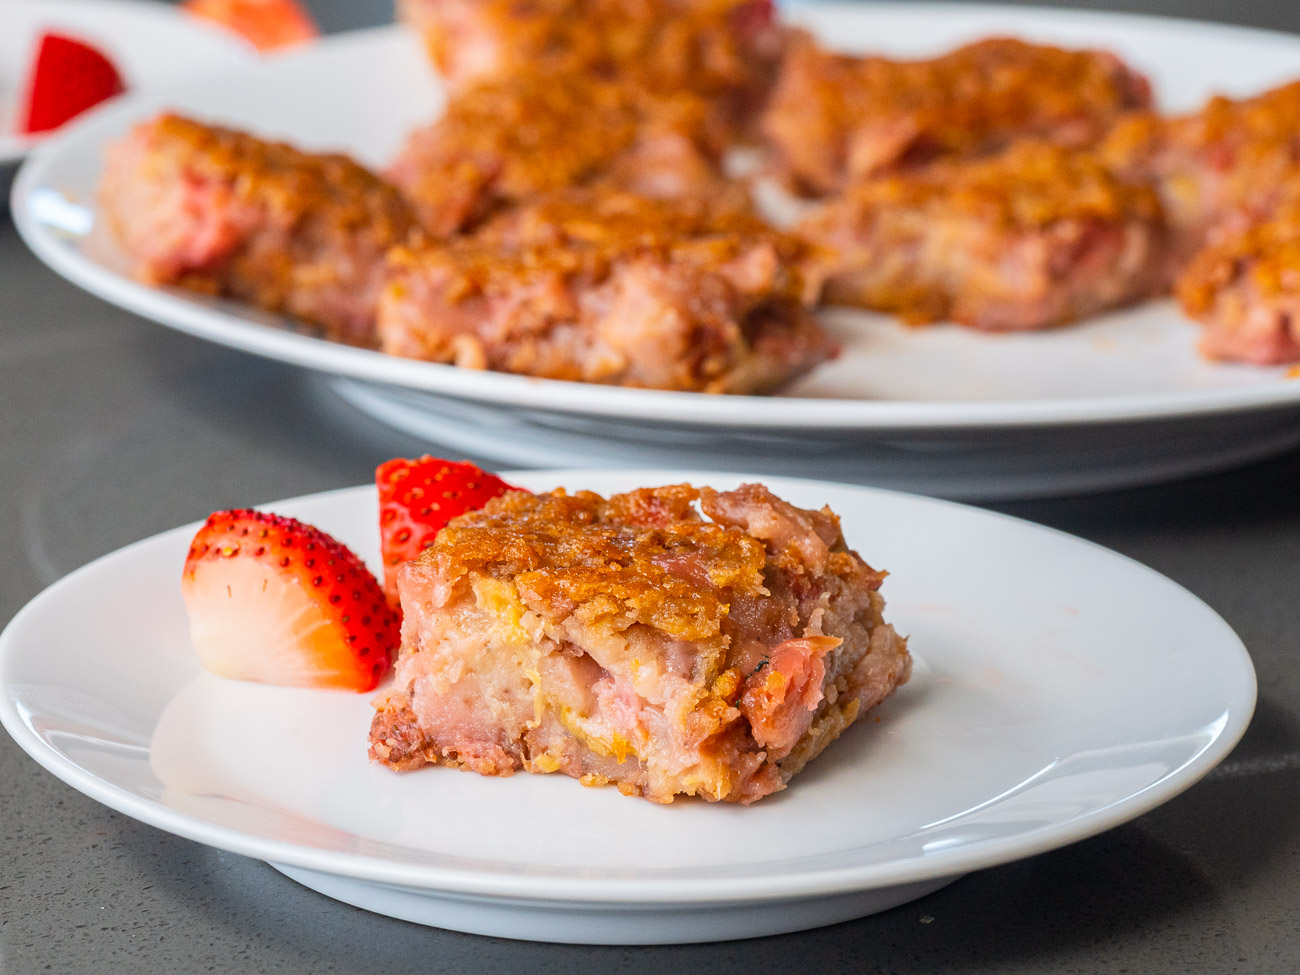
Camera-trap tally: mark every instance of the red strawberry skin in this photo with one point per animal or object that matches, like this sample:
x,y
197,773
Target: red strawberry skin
x,y
70,76
275,600
418,497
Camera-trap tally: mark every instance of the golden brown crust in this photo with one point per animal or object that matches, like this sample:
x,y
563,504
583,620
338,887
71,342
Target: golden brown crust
x,y
1031,185
1231,136
327,186
1032,237
709,47
223,212
618,221
835,117
1264,259
587,232
506,141
565,550
1245,288
1217,169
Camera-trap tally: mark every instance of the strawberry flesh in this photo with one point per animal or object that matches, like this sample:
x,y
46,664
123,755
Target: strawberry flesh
x,y
267,24
274,600
69,77
418,497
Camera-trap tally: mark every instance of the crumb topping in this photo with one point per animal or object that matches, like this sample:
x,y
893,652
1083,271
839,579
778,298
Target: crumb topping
x,y
587,233
1264,259
286,180
645,557
1031,185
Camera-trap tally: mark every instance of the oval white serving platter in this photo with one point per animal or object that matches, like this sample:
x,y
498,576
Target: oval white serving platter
x,y
1060,689
1119,400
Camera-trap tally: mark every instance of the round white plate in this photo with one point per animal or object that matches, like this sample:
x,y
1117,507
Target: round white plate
x,y
1121,399
1059,689
151,43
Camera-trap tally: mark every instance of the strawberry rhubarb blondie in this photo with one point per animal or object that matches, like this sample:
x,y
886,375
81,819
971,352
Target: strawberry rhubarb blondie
x,y
502,143
671,641
1032,237
836,118
723,50
610,287
223,212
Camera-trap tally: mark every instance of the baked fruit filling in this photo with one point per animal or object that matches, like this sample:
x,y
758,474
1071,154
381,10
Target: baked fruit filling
x,y
671,641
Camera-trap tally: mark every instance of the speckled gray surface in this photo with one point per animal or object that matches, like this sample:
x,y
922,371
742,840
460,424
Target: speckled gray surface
x,y
112,429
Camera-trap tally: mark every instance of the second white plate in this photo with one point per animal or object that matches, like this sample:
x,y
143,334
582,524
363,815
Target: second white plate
x,y
1060,689
1118,400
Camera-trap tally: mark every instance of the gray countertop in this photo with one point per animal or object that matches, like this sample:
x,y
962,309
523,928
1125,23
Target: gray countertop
x,y
113,428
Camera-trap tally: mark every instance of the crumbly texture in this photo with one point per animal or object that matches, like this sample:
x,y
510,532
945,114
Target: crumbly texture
x,y
722,50
1245,288
671,641
610,287
503,142
226,213
1216,170
639,95
1033,237
833,118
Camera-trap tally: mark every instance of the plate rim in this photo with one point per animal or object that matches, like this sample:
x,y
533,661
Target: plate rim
x,y
694,410
572,889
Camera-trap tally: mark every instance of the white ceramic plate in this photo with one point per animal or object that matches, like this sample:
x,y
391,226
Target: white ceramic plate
x,y
1060,689
151,43
1119,400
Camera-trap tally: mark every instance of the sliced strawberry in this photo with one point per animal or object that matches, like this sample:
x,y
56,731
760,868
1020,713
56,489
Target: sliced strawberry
x,y
69,77
418,497
266,24
273,600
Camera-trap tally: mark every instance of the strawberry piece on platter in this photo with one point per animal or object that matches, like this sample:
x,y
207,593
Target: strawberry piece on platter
x,y
68,77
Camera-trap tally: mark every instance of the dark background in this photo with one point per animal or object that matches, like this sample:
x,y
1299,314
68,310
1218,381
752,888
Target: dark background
x,y
112,429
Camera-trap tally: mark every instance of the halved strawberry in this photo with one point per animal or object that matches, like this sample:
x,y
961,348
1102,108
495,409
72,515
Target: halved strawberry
x,y
69,77
266,24
418,497
274,600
